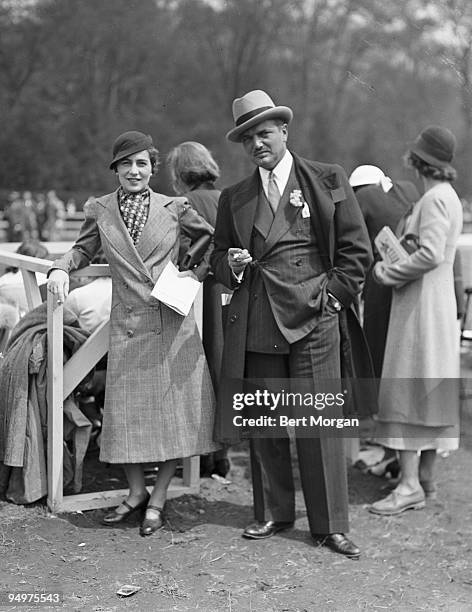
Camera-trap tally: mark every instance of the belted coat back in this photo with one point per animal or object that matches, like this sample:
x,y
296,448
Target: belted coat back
x,y
159,401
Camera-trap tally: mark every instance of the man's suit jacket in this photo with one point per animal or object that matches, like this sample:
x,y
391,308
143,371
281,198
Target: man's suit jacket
x,y
343,242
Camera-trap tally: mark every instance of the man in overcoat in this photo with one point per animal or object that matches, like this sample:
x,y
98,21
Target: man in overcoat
x,y
291,241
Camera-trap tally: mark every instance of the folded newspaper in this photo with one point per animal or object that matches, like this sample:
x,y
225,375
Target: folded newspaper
x,y
389,246
175,291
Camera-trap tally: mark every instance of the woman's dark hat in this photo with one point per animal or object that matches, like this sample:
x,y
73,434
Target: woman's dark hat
x,y
253,108
128,143
436,146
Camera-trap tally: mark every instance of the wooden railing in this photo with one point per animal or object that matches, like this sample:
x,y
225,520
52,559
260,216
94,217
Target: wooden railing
x,y
63,378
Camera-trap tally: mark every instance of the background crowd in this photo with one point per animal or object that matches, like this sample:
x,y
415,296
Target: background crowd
x,y
362,76
35,216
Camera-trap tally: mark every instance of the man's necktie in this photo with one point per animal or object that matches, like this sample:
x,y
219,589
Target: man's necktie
x,y
273,193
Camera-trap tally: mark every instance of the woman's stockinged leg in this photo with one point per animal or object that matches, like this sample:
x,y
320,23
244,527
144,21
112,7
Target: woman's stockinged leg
x,y
409,467
137,488
426,473
426,469
154,518
164,476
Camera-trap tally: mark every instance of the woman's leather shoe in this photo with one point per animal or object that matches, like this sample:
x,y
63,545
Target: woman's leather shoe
x,y
258,531
396,503
338,543
150,525
114,517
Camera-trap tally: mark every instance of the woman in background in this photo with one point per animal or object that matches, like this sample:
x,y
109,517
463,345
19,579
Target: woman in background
x,y
193,173
419,396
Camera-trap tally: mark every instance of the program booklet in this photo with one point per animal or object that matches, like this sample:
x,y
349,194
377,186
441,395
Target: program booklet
x,y
389,246
176,292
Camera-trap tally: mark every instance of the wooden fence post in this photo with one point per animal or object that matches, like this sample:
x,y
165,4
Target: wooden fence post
x,y
55,403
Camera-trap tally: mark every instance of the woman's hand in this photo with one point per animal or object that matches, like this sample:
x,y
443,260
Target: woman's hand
x,y
190,273
377,272
58,285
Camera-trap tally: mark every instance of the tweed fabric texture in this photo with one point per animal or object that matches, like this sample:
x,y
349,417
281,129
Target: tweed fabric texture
x,y
159,401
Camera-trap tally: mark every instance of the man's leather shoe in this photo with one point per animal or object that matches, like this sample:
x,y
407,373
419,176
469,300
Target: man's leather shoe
x,y
150,525
338,543
114,517
258,531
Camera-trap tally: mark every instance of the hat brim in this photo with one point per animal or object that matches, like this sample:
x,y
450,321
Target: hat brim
x,y
430,159
278,112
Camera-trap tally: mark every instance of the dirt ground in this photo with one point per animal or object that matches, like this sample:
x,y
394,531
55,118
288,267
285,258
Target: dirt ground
x,y
421,560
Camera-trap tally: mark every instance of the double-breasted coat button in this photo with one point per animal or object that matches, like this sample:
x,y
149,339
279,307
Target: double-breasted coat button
x,y
276,347
233,318
130,333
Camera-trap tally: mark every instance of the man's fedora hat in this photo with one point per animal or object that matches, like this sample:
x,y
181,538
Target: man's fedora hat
x,y
129,143
436,146
253,108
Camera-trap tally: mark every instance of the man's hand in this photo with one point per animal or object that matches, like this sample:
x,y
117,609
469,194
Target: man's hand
x,y
58,284
238,259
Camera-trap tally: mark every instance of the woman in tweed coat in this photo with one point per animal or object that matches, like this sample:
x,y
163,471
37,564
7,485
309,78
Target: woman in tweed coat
x,y
159,402
419,396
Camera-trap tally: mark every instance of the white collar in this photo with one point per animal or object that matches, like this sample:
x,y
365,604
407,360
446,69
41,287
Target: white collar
x,y
281,172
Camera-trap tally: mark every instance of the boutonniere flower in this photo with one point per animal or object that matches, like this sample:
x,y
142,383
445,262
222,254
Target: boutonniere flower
x,y
296,198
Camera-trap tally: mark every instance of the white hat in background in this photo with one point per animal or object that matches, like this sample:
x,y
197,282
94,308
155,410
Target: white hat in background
x,y
370,175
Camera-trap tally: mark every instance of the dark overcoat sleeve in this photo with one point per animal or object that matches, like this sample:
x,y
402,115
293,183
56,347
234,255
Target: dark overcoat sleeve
x,y
352,251
225,238
197,229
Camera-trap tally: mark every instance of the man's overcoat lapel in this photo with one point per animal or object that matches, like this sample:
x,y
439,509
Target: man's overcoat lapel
x,y
245,208
315,186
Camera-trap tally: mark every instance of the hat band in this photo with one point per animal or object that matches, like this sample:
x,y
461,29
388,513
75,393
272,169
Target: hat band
x,y
243,118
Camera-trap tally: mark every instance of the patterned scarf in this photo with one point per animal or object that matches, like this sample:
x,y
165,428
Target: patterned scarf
x,y
134,208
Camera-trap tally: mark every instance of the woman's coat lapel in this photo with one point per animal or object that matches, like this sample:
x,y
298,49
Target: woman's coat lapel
x,y
114,229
